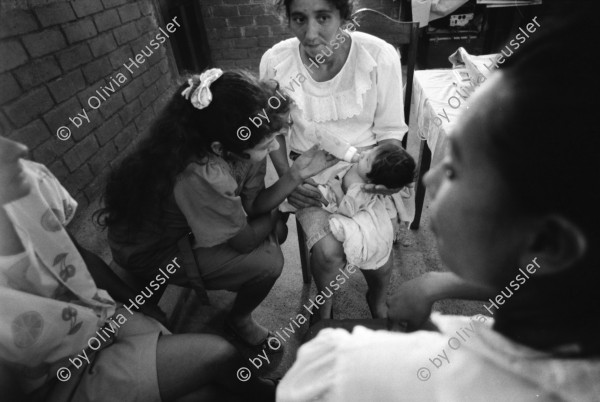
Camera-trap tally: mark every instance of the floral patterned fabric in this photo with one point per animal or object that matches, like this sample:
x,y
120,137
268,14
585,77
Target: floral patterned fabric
x,y
49,304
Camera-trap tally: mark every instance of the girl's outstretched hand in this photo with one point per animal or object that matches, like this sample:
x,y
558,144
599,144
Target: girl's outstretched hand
x,y
379,189
312,162
383,190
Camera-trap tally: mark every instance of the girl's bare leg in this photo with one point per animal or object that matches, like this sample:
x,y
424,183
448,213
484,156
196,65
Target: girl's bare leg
x,y
201,365
326,258
378,281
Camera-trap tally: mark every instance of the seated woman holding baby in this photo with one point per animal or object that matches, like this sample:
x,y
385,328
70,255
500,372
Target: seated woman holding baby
x,y
347,85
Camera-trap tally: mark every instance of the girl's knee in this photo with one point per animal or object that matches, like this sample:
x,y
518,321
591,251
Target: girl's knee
x,y
272,264
328,253
222,352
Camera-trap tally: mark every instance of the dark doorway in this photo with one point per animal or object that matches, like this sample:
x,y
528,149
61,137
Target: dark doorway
x,y
189,44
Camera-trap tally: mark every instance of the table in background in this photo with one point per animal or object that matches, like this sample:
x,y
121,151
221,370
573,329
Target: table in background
x,y
432,90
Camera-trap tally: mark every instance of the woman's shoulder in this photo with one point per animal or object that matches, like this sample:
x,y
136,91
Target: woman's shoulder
x,y
281,49
209,170
376,47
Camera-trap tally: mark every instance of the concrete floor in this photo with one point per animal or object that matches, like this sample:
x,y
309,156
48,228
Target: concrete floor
x,y
415,254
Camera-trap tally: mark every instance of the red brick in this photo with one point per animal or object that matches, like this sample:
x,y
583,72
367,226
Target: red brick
x,y
96,187
129,12
107,20
32,134
54,14
269,20
235,54
216,22
59,116
97,69
37,72
133,89
78,180
102,158
267,42
164,66
164,83
90,90
143,121
108,130
152,75
246,43
112,105
13,55
125,137
80,30
67,85
113,3
130,111
86,7
148,96
146,7
240,21
223,44
59,170
146,24
5,126
280,30
86,128
17,22
81,152
251,10
74,56
255,31
228,33
42,43
224,11
10,88
29,106
161,102
120,56
257,52
51,150
126,33
102,44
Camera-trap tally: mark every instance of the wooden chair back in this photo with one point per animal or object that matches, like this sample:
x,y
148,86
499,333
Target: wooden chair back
x,y
397,33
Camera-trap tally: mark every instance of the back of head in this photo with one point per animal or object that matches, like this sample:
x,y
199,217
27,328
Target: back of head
x,y
544,141
547,142
182,133
392,167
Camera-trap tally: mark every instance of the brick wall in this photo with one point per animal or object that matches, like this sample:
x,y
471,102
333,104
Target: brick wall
x,y
240,31
54,56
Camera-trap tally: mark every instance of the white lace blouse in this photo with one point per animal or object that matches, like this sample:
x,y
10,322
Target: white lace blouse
x,y
363,103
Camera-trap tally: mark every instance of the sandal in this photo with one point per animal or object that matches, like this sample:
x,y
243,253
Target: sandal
x,y
270,344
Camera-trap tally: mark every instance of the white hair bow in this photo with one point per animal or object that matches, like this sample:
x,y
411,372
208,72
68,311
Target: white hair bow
x,y
201,97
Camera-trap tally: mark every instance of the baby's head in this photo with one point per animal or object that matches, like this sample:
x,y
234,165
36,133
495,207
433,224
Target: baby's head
x,y
387,164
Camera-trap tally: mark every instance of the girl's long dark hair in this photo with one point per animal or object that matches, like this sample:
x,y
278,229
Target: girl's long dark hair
x,y
145,179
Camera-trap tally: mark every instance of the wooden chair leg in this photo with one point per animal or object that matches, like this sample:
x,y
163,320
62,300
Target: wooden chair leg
x,y
304,254
424,163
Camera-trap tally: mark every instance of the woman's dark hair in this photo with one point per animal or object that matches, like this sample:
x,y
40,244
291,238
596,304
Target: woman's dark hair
x,y
393,167
344,6
145,178
546,140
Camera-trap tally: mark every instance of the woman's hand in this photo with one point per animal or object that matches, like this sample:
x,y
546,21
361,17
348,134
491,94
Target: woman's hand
x,y
307,195
410,305
379,189
312,162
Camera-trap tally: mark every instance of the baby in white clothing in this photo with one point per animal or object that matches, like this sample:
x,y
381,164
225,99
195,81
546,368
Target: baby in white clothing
x,y
361,220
